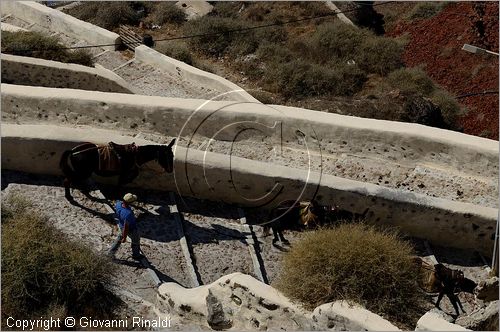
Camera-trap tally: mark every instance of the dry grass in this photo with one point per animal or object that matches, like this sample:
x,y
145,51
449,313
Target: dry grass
x,y
425,10
177,50
36,45
353,262
450,108
106,14
164,12
45,273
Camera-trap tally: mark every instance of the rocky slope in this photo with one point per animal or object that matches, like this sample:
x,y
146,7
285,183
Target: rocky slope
x,y
439,51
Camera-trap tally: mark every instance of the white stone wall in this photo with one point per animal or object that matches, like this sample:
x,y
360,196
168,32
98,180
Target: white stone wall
x,y
406,143
189,73
56,20
246,182
39,72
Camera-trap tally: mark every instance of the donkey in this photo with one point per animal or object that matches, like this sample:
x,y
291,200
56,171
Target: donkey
x,y
79,163
445,281
302,215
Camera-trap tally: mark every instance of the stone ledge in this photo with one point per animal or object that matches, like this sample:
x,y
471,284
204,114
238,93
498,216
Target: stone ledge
x,y
40,72
58,21
234,180
189,73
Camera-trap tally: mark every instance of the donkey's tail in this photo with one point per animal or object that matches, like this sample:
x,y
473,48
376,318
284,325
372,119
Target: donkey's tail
x,y
64,165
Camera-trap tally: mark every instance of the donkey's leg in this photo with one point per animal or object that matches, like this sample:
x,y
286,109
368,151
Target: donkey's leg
x,y
282,237
91,185
67,189
453,299
459,302
275,235
441,294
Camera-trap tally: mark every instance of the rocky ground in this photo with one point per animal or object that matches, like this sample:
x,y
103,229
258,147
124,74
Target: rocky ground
x,y
212,231
460,72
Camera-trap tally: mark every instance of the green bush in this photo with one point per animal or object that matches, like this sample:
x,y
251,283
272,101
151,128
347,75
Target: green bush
x,y
34,44
299,78
166,12
177,50
44,273
352,262
335,39
338,41
106,14
424,10
380,55
411,81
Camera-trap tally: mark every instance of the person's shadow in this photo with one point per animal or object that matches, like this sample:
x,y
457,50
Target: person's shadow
x,y
107,217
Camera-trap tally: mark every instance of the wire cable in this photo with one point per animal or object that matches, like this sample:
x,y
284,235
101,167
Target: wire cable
x,y
477,94
205,34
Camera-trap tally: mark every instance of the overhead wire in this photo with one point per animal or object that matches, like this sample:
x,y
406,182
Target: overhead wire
x,y
477,94
240,30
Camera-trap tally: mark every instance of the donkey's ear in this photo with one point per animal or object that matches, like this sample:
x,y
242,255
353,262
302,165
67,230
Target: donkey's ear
x,y
171,143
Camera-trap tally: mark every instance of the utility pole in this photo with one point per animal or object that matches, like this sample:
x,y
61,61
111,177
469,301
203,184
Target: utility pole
x,y
494,262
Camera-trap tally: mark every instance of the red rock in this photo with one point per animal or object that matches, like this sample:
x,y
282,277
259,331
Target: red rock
x,y
436,42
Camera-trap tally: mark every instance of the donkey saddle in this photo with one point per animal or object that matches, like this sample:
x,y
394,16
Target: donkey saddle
x,y
116,157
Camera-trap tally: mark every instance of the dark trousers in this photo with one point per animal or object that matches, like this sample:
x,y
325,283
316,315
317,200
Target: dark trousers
x,y
135,239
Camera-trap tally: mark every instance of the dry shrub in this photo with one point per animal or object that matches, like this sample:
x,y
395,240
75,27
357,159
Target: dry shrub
x,y
226,8
36,45
273,34
219,38
106,14
425,10
450,108
45,273
380,55
411,81
177,50
312,8
337,41
229,41
300,78
352,262
165,12
274,53
415,82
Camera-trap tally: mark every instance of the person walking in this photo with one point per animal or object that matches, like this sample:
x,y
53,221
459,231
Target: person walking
x,y
127,224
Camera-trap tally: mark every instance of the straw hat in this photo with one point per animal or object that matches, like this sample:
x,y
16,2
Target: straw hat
x,y
129,198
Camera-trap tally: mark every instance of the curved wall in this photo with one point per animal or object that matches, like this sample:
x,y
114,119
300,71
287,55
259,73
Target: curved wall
x,y
246,182
58,21
39,72
405,143
190,73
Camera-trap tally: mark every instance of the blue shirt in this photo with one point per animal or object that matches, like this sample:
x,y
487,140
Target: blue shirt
x,y
125,215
